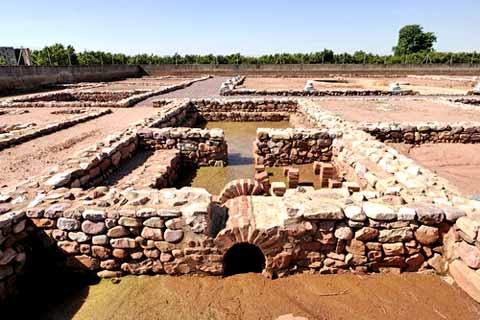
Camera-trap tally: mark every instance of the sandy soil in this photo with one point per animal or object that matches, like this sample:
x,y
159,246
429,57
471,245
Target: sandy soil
x,y
250,296
459,163
423,85
33,157
397,109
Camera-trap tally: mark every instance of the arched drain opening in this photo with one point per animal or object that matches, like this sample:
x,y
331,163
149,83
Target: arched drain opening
x,y
243,258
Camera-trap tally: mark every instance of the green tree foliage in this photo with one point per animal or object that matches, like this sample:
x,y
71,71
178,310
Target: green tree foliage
x,y
57,55
412,39
2,61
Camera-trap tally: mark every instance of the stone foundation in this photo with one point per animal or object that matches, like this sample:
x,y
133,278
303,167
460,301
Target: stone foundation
x,y
95,99
14,138
318,93
424,132
199,147
281,147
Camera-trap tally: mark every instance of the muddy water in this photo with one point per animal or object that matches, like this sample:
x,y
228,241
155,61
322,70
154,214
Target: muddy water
x,y
240,137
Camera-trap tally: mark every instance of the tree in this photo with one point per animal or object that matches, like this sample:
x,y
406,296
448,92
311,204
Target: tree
x,y
55,55
2,61
412,39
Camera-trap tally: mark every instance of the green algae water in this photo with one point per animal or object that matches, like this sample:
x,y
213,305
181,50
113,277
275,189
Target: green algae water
x,y
240,137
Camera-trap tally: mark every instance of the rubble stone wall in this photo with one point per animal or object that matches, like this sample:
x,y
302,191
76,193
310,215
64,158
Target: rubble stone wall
x,y
14,242
79,99
463,253
24,136
200,147
327,236
317,93
424,132
475,102
281,147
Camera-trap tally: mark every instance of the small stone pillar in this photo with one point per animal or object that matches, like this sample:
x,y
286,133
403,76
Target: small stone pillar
x,y
293,177
327,172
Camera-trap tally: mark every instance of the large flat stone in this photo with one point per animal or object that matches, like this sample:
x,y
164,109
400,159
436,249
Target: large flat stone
x,y
377,211
466,278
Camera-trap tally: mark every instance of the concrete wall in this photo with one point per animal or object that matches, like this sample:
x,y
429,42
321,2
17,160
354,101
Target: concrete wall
x,y
14,78
314,69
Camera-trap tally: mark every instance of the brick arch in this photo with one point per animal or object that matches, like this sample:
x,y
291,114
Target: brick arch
x,y
240,187
241,228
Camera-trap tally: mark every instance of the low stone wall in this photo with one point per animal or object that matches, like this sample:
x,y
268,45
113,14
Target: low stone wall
x,y
281,147
174,114
14,241
238,110
245,116
14,139
328,235
199,147
464,255
95,99
418,133
317,93
472,101
92,165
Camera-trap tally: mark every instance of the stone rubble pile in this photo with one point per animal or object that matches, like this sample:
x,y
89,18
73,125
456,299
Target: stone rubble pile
x,y
231,84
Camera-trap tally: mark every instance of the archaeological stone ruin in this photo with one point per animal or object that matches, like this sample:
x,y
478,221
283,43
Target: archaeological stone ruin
x,y
118,206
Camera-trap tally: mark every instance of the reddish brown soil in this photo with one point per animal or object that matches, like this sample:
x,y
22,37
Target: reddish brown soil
x,y
397,109
31,158
40,116
250,296
427,86
459,163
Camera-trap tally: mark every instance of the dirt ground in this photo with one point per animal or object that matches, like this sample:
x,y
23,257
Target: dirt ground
x,y
144,83
251,296
424,85
40,116
397,109
31,158
458,163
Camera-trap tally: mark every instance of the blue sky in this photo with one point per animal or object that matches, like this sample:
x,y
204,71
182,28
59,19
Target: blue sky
x,y
247,26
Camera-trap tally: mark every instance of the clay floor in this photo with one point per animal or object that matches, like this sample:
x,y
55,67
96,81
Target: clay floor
x,y
458,163
424,85
251,296
405,109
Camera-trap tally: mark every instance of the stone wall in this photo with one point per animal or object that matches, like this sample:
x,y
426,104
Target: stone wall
x,y
10,139
199,147
240,109
98,99
314,70
471,101
464,255
14,78
14,243
281,147
429,132
317,93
